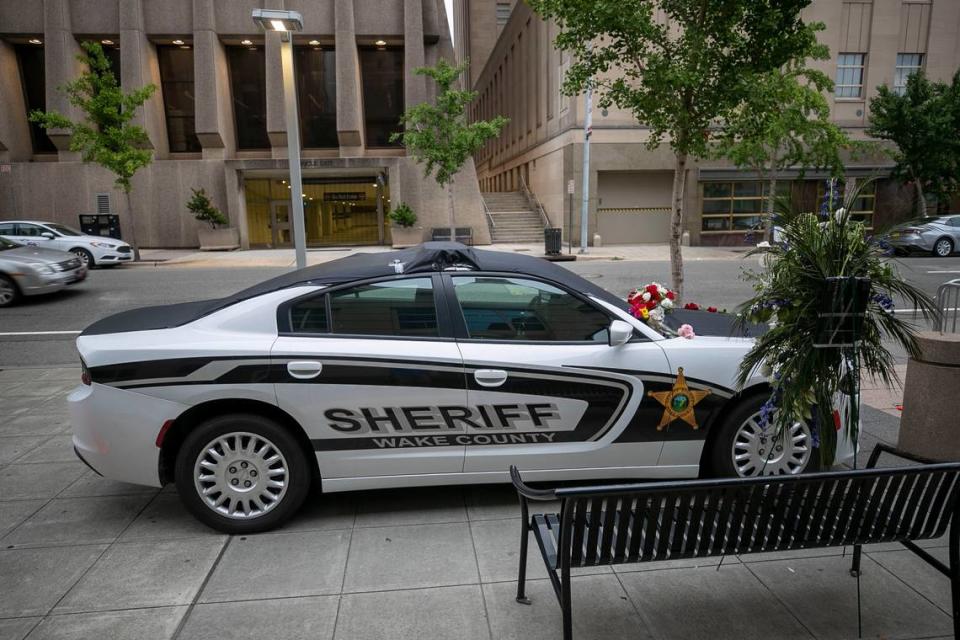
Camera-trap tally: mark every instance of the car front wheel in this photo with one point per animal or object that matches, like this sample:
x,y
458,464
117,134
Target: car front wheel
x,y
85,257
943,248
242,473
744,448
9,293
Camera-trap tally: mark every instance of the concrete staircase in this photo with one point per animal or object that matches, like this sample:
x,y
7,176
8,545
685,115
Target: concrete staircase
x,y
514,221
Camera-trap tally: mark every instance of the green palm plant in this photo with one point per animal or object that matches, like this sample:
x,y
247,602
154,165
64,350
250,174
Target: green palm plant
x,y
788,294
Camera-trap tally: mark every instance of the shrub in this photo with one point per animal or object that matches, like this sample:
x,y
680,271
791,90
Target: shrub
x,y
403,216
204,211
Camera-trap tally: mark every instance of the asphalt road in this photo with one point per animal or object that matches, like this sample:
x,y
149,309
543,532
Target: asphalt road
x,y
109,291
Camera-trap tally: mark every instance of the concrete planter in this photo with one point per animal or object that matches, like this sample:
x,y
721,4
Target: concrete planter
x,y
402,237
219,239
931,404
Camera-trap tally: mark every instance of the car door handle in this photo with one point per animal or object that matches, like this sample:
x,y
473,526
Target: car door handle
x,y
304,369
490,377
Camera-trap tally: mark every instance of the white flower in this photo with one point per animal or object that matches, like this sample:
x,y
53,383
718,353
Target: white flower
x,y
646,296
666,303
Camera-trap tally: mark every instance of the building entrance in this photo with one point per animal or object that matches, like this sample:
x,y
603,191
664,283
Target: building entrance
x,y
337,211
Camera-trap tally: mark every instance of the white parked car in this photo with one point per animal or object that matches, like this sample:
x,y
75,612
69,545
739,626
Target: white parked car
x,y
435,365
92,250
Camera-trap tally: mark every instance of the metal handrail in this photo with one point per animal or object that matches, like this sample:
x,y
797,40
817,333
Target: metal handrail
x,y
946,292
534,202
487,212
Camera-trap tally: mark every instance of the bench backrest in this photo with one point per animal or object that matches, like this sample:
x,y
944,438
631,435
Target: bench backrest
x,y
660,521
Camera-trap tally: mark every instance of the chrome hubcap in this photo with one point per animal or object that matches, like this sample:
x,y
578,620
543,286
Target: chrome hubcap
x,y
6,292
758,451
84,258
241,475
944,248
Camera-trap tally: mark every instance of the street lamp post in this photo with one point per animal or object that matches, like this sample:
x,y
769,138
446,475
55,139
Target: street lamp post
x,y
286,22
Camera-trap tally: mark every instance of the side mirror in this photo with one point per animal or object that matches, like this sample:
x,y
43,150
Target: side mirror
x,y
619,332
48,235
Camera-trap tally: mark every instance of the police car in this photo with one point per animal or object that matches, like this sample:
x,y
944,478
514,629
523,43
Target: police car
x,y
435,365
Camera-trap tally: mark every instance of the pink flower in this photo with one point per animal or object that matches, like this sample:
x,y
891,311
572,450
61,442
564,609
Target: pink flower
x,y
686,331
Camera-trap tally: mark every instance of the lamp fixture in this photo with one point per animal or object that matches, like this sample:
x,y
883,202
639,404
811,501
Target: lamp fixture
x,y
246,42
274,20
314,43
105,41
35,41
178,42
381,43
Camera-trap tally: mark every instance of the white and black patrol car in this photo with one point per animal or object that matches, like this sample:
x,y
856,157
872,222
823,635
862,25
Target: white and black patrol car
x,y
435,365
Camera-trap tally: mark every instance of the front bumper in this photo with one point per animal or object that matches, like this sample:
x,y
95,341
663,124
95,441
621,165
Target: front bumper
x,y
34,284
115,431
112,256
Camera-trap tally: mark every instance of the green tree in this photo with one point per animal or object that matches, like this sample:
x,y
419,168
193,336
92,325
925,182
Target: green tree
x,y
106,135
924,126
785,122
203,210
438,134
682,67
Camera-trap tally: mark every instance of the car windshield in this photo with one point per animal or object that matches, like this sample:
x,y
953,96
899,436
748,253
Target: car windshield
x,y
64,231
7,244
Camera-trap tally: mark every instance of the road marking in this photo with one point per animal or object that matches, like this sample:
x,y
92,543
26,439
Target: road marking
x,y
39,333
948,271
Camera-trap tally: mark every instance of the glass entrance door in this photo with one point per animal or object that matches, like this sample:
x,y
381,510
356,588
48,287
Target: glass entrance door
x,y
280,223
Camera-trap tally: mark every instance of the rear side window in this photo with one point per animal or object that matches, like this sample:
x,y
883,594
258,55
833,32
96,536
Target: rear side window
x,y
404,308
497,308
6,229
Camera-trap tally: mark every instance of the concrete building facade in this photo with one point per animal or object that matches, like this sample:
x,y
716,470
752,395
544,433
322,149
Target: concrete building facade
x,y
217,119
872,42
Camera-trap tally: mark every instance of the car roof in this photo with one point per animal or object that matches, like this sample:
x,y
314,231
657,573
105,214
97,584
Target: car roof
x,y
429,257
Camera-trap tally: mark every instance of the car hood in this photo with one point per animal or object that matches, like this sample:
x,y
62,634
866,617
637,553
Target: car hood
x,y
705,323
34,255
88,239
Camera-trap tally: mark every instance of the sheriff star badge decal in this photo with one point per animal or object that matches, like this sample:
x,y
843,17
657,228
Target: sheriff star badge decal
x,y
678,403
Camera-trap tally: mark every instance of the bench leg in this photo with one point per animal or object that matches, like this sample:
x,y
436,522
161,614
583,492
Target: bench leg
x,y
857,553
522,573
565,604
955,575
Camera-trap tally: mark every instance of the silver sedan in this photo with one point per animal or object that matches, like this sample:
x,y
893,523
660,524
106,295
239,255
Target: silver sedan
x,y
29,271
937,235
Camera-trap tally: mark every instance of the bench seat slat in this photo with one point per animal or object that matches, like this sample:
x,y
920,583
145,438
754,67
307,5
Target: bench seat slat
x,y
948,496
611,527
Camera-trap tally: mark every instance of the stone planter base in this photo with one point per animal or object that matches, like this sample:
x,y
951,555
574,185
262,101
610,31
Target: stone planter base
x,y
219,239
929,425
402,237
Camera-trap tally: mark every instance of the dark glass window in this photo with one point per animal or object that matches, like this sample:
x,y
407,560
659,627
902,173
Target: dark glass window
x,y
526,310
310,316
176,80
316,73
249,87
381,70
32,78
394,308
112,52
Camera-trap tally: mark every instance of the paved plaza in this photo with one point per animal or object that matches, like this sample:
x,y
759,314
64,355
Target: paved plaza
x,y
84,557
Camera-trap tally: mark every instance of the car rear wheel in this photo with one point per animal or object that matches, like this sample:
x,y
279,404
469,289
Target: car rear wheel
x,y
943,248
85,257
744,448
9,292
242,473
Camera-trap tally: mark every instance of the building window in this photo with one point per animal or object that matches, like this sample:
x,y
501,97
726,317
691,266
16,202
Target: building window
x,y
381,69
504,9
32,79
249,88
737,206
907,65
176,81
850,75
862,207
317,94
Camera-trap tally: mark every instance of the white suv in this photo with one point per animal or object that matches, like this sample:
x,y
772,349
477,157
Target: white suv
x,y
92,250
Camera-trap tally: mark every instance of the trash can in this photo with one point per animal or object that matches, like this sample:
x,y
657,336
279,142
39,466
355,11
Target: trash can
x,y
552,241
100,224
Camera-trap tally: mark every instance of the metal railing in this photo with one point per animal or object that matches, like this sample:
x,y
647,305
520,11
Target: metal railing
x,y
534,202
486,211
948,305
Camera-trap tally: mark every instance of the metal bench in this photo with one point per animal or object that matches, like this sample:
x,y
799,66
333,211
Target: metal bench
x,y
464,234
649,522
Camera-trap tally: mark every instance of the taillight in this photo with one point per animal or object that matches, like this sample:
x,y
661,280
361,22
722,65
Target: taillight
x,y
912,230
163,432
85,376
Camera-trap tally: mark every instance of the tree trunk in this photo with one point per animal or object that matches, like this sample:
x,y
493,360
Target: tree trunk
x,y
921,200
771,194
676,223
453,224
133,228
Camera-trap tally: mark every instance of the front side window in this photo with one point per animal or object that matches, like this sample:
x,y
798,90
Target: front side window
x,y
64,231
381,70
907,65
176,80
248,85
29,230
500,308
850,75
403,308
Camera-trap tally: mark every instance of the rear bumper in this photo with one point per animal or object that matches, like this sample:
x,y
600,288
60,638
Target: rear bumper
x,y
911,243
115,431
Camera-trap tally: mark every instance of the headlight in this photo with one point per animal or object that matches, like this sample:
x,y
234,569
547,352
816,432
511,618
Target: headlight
x,y
43,269
102,245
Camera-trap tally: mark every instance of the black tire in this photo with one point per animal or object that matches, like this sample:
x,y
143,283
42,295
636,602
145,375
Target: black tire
x,y
9,291
297,476
85,256
943,248
721,456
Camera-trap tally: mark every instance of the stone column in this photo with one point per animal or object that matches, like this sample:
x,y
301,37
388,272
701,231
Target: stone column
x,y
138,68
414,86
931,404
60,50
15,143
349,94
276,118
211,84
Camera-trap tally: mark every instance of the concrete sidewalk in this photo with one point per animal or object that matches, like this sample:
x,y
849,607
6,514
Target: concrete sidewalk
x,y
85,557
286,258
